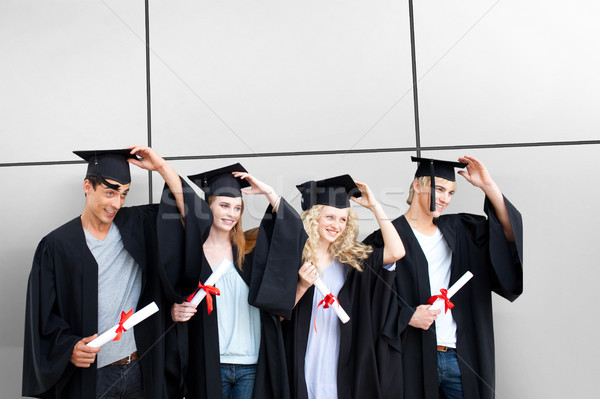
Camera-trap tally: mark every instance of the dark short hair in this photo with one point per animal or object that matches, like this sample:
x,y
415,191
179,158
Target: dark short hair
x,y
94,181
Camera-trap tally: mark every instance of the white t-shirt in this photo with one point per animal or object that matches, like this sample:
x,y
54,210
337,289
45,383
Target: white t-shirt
x,y
439,259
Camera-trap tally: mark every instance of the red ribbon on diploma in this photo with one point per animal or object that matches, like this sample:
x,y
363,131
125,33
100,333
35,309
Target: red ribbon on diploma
x,y
209,289
120,328
444,297
328,300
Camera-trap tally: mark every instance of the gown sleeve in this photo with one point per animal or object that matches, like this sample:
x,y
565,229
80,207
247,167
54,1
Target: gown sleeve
x,y
48,342
375,239
382,282
506,257
277,257
398,314
180,246
377,310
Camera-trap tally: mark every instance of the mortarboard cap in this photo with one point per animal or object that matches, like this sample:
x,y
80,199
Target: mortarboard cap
x,y
436,168
108,164
221,181
335,191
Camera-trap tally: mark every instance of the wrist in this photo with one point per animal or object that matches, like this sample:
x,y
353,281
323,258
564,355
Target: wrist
x,y
302,287
272,196
276,204
372,207
299,292
161,166
378,211
168,174
490,189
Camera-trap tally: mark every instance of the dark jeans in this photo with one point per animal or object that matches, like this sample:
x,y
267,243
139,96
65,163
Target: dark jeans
x,y
119,382
237,380
449,375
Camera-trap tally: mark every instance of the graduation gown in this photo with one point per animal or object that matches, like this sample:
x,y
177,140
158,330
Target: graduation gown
x,y
368,366
271,272
480,246
62,305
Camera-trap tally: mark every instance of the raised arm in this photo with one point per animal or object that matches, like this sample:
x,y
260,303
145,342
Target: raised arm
x,y
393,248
259,187
478,175
154,162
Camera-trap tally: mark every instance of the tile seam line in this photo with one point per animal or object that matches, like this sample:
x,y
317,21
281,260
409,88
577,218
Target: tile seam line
x,y
334,152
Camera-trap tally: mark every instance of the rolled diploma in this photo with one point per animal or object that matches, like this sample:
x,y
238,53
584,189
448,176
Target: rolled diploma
x,y
212,280
339,311
439,304
135,318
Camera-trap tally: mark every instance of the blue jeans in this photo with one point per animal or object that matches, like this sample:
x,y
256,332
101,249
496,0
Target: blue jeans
x,y
120,382
237,380
449,375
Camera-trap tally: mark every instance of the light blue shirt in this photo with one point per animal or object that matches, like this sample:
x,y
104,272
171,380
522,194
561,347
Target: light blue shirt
x,y
239,323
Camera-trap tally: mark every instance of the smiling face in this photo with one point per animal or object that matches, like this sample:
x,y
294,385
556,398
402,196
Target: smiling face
x,y
444,190
103,203
226,211
332,223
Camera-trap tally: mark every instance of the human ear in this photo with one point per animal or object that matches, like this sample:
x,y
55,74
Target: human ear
x,y
416,186
87,186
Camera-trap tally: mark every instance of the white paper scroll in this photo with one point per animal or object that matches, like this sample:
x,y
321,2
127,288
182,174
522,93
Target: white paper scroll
x,y
439,304
135,318
212,280
339,311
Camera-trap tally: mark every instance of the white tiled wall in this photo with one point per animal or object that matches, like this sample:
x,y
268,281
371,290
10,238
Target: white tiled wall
x,y
507,71
251,77
71,72
271,76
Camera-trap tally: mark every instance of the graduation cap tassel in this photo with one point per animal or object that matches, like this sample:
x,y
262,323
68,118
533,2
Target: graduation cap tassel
x,y
107,184
431,167
432,174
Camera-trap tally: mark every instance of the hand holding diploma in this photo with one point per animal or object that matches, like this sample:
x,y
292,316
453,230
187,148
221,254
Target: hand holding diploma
x,y
423,318
333,302
83,355
309,276
425,315
128,320
184,311
208,287
438,302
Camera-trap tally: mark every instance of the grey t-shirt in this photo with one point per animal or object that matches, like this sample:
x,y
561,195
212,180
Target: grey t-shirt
x,y
119,286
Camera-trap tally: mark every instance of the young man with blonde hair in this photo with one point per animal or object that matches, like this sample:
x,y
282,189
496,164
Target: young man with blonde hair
x,y
450,354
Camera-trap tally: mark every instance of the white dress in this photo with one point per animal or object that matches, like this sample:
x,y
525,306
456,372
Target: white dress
x,y
322,350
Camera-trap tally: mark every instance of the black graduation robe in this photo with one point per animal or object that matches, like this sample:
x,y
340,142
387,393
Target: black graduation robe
x,y
62,306
271,272
368,366
480,246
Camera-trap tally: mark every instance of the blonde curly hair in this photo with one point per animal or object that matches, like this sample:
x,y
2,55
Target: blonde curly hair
x,y
345,248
